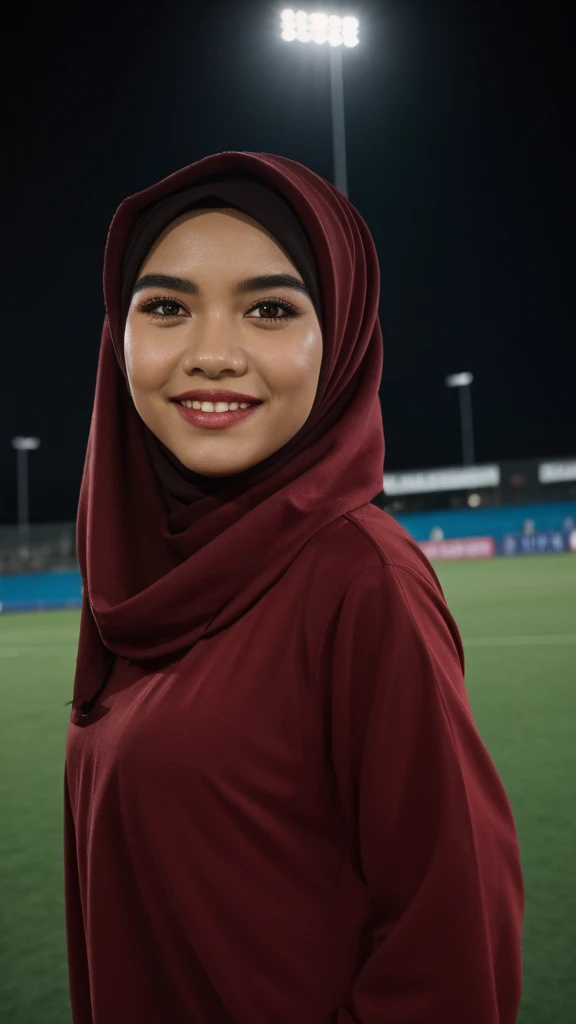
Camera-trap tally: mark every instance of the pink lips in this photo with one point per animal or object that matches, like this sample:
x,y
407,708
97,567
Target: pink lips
x,y
215,420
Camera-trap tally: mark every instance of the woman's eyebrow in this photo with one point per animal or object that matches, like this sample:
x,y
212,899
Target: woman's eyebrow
x,y
256,284
249,284
179,284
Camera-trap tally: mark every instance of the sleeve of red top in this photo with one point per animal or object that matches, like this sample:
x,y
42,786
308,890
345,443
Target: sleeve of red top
x,y
429,822
75,937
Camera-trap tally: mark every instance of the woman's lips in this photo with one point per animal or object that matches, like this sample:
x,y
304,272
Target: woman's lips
x,y
214,420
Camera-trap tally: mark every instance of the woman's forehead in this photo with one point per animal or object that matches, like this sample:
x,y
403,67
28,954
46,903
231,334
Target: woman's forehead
x,y
225,234
217,221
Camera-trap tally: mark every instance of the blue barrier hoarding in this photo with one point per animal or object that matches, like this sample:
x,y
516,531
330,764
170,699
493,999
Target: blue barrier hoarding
x,y
28,592
543,542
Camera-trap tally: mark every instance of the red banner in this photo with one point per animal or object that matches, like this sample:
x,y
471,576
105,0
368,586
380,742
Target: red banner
x,y
461,548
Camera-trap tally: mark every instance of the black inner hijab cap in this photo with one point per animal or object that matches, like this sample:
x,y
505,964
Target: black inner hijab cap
x,y
243,192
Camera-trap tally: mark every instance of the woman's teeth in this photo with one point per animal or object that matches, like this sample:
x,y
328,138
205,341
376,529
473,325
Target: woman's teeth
x,y
216,406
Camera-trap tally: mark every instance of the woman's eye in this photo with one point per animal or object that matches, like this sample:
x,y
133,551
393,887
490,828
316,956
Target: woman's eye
x,y
270,311
166,308
162,308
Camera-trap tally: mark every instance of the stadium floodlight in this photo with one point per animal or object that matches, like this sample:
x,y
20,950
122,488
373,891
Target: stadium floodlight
x,y
319,27
462,381
23,445
459,380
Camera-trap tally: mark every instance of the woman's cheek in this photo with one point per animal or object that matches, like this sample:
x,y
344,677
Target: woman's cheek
x,y
294,367
147,362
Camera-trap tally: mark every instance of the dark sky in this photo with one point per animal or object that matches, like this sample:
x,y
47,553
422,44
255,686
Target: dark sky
x,y
460,158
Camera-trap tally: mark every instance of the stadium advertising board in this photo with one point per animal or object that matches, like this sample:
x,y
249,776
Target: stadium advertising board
x,y
457,478
557,472
461,548
543,542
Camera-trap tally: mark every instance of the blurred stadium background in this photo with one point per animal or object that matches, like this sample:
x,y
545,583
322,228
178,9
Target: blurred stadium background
x,y
503,541
458,156
458,512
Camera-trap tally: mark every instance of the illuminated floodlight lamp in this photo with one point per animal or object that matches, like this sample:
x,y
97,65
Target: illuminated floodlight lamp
x,y
350,31
459,380
25,444
318,27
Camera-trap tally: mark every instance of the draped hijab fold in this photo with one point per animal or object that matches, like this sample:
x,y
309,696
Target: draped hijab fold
x,y
166,558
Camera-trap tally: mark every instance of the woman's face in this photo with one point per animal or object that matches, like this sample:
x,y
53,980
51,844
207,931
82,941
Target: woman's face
x,y
198,323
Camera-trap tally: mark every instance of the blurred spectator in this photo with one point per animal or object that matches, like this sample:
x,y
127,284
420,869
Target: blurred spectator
x,y
49,547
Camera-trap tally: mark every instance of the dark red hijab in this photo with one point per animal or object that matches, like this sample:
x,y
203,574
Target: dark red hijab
x,y
155,581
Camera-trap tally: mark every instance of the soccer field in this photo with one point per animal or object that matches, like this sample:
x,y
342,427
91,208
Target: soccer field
x,y
518,620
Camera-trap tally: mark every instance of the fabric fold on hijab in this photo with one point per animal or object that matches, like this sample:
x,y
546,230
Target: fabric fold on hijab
x,y
160,574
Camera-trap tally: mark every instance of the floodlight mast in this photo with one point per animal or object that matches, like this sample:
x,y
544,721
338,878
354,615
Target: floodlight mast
x,y
338,122
298,26
462,381
23,445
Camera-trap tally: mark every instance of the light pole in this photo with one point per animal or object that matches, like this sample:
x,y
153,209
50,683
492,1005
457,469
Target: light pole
x,y
298,26
463,382
23,445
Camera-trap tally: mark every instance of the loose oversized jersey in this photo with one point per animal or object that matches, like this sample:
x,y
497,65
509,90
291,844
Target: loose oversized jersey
x,y
297,822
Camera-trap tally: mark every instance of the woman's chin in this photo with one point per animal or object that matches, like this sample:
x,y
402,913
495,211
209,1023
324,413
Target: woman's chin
x,y
213,467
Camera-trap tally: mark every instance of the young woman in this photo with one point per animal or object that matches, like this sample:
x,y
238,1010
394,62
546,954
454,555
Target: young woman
x,y
278,807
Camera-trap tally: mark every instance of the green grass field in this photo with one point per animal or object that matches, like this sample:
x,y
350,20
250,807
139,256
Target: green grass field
x,y
518,620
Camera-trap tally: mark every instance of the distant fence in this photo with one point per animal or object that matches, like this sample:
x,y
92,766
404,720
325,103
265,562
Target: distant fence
x,y
41,572
43,547
494,521
38,567
453,535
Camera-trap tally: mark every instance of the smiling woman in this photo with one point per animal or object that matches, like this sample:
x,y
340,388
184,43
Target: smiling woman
x,y
210,325
277,805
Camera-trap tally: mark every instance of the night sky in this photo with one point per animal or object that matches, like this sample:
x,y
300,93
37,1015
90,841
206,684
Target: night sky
x,y
460,158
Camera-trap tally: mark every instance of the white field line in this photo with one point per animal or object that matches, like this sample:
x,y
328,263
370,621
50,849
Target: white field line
x,y
520,641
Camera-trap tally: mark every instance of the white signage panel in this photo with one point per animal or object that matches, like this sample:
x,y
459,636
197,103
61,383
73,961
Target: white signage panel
x,y
557,472
458,478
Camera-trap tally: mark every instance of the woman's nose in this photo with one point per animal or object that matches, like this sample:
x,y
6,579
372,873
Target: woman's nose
x,y
213,347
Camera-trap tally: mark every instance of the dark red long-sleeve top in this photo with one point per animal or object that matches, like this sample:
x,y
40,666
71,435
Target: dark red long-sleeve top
x,y
297,822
